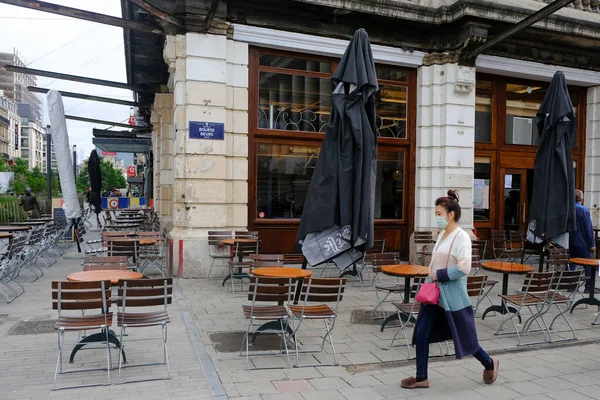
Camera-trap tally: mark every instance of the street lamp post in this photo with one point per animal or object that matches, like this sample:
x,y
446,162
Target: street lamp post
x,y
49,163
75,163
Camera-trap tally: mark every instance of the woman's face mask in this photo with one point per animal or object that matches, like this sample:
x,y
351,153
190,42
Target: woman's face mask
x,y
441,221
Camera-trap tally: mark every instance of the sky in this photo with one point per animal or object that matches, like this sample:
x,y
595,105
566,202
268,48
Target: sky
x,y
61,44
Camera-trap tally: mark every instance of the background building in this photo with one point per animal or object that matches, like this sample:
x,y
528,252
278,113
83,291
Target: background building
x,y
10,123
451,114
32,137
15,84
44,151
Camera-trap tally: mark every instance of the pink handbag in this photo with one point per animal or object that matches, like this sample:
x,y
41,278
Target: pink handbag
x,y
429,293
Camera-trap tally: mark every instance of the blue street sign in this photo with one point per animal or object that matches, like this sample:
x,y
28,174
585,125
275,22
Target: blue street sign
x,y
207,130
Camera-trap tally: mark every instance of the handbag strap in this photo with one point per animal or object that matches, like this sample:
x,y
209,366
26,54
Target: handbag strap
x,y
450,250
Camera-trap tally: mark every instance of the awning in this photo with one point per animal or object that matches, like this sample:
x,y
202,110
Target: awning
x,y
123,145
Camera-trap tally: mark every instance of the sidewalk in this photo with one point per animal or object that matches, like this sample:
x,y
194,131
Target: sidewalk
x,y
371,369
28,354
205,365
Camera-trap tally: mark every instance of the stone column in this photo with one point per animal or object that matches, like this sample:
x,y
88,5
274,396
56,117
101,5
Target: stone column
x,y
445,137
162,136
592,155
210,82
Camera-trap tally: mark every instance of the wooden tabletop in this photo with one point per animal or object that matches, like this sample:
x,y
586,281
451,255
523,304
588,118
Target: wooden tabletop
x,y
281,272
588,262
231,242
10,228
103,275
127,239
506,267
405,270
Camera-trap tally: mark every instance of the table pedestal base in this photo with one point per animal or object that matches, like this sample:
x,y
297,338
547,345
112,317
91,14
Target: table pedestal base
x,y
591,301
394,317
95,338
501,310
234,276
271,326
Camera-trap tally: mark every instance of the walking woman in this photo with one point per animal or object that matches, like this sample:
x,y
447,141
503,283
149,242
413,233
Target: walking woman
x,y
452,318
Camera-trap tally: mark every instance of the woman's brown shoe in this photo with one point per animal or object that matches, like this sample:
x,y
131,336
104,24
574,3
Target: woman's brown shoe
x,y
411,383
490,376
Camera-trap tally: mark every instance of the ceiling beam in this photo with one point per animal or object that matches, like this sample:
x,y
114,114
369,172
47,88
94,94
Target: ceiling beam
x,y
99,121
210,15
527,22
158,13
76,78
89,97
85,15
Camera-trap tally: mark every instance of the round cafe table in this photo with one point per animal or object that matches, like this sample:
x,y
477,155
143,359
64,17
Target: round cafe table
x,y
506,268
100,275
231,243
593,264
406,271
103,275
280,272
13,228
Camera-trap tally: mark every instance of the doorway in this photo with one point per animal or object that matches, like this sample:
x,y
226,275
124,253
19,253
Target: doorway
x,y
516,196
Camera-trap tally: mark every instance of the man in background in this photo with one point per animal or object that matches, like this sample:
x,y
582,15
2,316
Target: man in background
x,y
30,204
581,242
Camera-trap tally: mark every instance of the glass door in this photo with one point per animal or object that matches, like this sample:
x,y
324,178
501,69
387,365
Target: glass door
x,y
516,196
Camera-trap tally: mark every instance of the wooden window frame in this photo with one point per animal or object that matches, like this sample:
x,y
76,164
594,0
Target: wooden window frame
x,y
258,135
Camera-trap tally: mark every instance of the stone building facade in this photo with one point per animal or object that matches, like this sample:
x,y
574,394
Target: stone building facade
x,y
447,120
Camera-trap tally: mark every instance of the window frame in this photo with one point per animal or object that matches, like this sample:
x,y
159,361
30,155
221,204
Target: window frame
x,y
258,135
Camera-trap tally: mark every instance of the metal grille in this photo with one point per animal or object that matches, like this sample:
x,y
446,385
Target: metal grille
x,y
35,327
231,342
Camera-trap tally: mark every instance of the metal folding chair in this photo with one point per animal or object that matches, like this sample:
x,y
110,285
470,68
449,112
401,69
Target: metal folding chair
x,y
534,294
154,294
217,251
272,290
323,291
80,297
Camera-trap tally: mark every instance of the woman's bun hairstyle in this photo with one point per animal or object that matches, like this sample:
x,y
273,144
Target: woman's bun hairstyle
x,y
453,194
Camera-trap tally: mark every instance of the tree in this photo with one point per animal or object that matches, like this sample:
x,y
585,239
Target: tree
x,y
56,188
111,177
36,180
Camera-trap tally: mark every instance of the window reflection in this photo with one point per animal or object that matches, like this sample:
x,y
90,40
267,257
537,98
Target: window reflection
x,y
483,118
294,63
294,102
481,189
285,172
522,105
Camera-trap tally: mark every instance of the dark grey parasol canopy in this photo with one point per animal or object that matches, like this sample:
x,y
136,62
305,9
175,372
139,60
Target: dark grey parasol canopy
x,y
95,182
337,221
552,208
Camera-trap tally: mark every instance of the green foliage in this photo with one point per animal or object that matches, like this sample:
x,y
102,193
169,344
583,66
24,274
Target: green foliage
x,y
3,165
36,180
56,189
111,177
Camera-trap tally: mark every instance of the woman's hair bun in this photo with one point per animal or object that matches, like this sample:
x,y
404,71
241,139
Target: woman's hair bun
x,y
453,194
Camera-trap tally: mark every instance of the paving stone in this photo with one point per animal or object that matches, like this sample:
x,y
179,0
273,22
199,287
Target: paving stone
x,y
323,395
329,383
567,395
361,394
527,387
300,385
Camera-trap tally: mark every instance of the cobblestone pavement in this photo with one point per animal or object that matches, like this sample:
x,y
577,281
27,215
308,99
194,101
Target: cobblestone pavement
x,y
371,368
28,360
202,368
